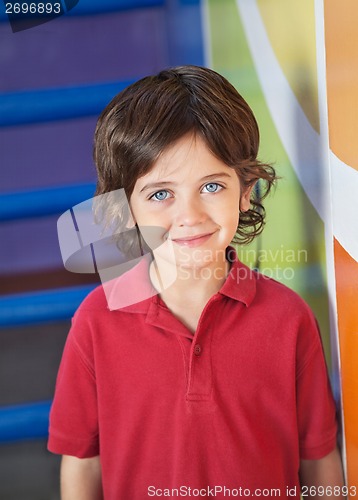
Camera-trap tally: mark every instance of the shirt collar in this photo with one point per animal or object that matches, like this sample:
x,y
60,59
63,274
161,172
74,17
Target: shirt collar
x,y
239,285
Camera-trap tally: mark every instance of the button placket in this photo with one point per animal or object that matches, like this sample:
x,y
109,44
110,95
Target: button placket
x,y
200,371
200,367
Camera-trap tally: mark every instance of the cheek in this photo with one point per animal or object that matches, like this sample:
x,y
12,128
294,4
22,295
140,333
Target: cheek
x,y
229,211
153,216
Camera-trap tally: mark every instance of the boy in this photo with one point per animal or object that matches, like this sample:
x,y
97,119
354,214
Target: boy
x,y
215,385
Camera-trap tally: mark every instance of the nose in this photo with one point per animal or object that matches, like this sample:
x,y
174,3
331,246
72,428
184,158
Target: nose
x,y
190,211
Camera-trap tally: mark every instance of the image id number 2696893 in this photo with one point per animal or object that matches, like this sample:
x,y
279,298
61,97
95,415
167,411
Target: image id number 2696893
x,y
35,8
329,491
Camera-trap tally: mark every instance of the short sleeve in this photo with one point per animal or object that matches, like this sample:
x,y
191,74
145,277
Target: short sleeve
x,y
73,426
316,411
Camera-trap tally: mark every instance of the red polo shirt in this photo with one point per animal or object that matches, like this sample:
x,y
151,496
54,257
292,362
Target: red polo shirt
x,y
235,406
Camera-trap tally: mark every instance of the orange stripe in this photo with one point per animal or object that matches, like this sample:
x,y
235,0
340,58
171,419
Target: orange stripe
x,y
342,77
347,303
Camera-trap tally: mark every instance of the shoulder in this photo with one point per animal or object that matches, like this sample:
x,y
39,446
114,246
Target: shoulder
x,y
92,311
286,313
263,296
94,301
280,297
90,318
123,292
290,319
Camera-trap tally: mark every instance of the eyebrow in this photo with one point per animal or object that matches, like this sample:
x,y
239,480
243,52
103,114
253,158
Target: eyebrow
x,y
156,185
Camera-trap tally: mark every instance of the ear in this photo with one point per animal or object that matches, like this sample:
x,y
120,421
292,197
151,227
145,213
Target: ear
x,y
131,222
245,198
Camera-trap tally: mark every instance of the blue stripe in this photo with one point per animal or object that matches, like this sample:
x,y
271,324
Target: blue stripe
x,y
44,105
89,7
43,202
41,307
25,421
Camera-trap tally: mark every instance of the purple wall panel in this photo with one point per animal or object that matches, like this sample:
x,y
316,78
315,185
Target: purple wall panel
x,y
66,51
72,51
29,244
47,154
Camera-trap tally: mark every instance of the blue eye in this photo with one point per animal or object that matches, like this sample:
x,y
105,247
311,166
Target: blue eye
x,y
212,187
160,195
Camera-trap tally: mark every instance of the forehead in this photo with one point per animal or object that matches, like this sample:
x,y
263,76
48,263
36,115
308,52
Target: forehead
x,y
189,158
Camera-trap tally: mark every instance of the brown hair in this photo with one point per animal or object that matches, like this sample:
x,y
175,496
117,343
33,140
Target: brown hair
x,y
154,112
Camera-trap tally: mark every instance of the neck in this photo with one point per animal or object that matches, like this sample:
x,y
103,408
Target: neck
x,y
194,283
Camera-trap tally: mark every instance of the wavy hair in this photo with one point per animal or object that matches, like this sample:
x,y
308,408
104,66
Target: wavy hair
x,y
151,114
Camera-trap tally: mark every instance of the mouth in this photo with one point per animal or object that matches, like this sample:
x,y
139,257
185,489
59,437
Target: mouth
x,y
192,241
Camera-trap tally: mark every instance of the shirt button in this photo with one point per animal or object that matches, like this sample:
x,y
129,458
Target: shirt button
x,y
197,349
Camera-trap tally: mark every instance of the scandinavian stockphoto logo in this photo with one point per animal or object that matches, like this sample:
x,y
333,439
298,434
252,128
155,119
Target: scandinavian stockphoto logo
x,y
27,14
99,235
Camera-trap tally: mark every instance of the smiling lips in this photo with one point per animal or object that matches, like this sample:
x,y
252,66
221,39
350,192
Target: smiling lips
x,y
193,241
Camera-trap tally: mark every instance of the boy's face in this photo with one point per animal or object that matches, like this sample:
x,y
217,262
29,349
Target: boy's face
x,y
195,199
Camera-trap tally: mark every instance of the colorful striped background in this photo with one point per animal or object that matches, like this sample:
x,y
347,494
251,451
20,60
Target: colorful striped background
x,y
295,62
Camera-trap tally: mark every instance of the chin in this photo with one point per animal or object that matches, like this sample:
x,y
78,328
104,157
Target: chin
x,y
194,265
